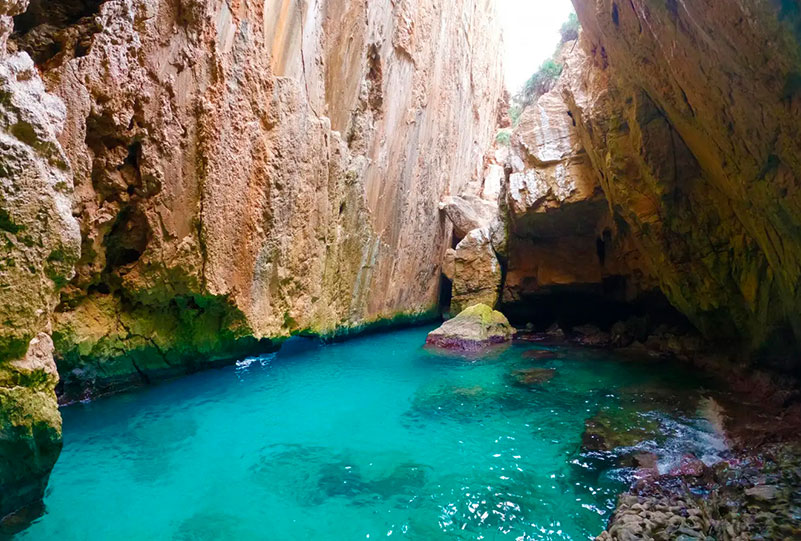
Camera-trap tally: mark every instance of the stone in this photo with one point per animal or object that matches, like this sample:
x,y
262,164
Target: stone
x,y
449,264
763,492
477,272
592,336
562,235
468,212
540,355
475,328
533,377
555,332
689,466
610,430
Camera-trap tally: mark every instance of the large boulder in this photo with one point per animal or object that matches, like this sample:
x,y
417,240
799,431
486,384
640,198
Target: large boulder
x,y
477,273
474,328
468,212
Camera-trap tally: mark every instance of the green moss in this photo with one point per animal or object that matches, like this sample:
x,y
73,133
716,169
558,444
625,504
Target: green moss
x,y
8,224
403,319
542,81
485,314
13,347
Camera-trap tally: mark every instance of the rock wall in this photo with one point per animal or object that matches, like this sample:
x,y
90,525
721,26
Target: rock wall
x,y
565,249
249,170
39,243
689,112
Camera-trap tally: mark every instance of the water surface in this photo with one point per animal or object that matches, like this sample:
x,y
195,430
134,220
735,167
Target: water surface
x,y
372,438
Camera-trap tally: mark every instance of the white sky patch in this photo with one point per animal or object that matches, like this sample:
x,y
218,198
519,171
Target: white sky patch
x,y
530,35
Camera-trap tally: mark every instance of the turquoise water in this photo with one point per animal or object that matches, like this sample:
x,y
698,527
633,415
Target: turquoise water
x,y
372,438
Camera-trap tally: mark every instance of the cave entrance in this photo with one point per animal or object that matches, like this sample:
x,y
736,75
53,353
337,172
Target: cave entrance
x,y
600,305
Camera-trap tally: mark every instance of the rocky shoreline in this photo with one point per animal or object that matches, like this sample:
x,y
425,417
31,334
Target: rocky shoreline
x,y
750,496
753,492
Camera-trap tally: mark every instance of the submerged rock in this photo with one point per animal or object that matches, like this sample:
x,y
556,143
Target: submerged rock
x,y
540,354
607,431
531,377
474,328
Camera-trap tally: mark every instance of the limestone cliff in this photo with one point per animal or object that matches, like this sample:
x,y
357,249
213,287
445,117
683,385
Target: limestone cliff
x,y
248,170
689,113
566,259
39,243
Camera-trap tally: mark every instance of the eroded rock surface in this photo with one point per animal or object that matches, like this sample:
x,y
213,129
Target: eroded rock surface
x,y
247,171
475,328
39,244
477,273
689,111
30,426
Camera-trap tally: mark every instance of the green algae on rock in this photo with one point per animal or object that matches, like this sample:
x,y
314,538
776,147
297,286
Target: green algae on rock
x,y
30,426
474,328
39,244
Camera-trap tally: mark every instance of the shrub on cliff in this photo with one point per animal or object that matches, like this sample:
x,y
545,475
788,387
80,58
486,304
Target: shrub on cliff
x,y
544,78
504,137
570,29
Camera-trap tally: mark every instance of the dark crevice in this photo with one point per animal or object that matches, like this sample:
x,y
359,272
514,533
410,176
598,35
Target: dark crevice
x,y
145,378
615,15
375,80
445,293
601,305
55,32
127,240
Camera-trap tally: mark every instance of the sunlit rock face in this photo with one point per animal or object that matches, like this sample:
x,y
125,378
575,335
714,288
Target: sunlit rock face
x,y
562,238
254,169
39,243
689,113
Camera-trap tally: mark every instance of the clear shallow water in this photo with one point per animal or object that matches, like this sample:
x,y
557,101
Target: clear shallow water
x,y
371,438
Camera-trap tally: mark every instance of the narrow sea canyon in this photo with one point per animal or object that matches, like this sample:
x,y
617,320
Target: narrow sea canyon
x,y
289,269
371,438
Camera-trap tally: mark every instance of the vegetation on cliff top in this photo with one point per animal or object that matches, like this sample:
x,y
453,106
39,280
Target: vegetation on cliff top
x,y
543,80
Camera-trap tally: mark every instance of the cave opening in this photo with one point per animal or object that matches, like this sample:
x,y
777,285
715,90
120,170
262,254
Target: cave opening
x,y
599,305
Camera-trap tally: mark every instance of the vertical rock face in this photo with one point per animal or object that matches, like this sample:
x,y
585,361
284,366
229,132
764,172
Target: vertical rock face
x,y
247,170
689,112
39,243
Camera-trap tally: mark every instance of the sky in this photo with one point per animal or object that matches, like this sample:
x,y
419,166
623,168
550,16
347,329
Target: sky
x,y
530,34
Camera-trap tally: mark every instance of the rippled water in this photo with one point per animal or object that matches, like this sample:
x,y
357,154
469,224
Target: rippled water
x,y
371,438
